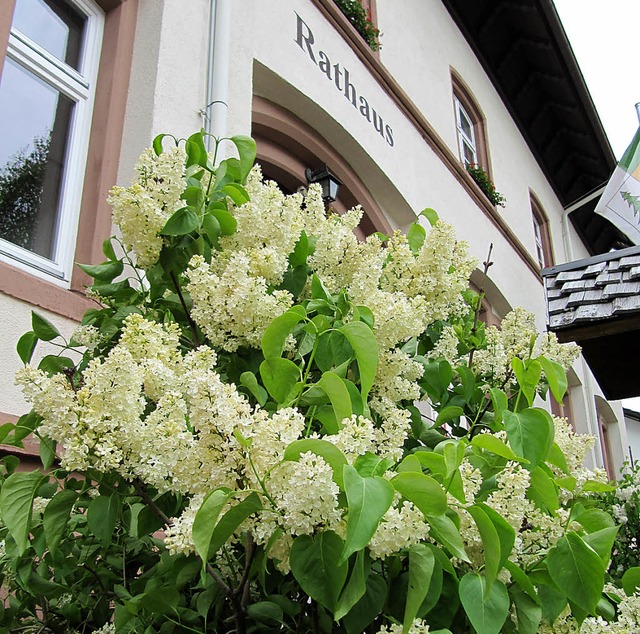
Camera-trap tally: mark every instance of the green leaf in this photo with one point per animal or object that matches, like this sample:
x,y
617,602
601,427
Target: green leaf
x,y
598,487
335,388
102,516
157,144
602,542
421,564
43,328
542,491
368,607
105,271
246,147
298,257
530,434
410,463
631,580
53,364
368,500
355,588
200,156
490,542
416,237
47,449
181,223
249,380
56,515
500,402
557,458
323,448
237,193
425,492
524,583
279,376
370,464
431,215
492,443
448,413
486,610
278,330
162,600
265,612
365,346
211,228
26,346
528,613
528,375
506,533
16,500
556,377
444,531
315,565
108,250
230,521
205,521
578,570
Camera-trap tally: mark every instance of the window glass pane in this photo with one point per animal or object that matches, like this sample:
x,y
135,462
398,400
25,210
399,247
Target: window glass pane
x,y
465,123
53,24
469,154
34,124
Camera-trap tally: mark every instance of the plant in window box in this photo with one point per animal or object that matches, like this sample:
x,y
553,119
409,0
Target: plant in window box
x,y
362,21
486,184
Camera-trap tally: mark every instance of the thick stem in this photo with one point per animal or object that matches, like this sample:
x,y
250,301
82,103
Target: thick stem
x,y
192,324
487,263
140,490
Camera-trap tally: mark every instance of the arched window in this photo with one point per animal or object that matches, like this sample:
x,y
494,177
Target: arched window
x,y
470,125
287,146
541,234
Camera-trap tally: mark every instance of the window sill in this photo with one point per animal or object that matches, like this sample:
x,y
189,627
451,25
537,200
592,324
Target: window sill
x,y
28,288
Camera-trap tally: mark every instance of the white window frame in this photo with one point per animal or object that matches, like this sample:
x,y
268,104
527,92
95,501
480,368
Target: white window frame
x,y
463,138
537,234
79,86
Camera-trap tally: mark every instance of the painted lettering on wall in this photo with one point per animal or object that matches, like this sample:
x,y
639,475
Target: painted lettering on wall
x,y
340,76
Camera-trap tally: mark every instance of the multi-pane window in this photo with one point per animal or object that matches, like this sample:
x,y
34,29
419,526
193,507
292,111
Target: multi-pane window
x,y
46,95
466,135
542,239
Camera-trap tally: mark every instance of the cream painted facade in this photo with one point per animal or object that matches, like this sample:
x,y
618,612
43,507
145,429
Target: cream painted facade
x,y
274,50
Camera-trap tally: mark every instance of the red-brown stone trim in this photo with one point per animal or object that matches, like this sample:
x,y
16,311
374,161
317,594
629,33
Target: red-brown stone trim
x,y
413,114
286,141
6,17
543,222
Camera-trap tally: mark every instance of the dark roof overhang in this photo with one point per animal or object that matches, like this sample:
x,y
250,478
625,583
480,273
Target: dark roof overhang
x,y
596,303
525,52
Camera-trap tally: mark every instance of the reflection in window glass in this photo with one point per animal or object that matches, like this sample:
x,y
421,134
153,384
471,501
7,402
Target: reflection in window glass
x,y
54,25
34,124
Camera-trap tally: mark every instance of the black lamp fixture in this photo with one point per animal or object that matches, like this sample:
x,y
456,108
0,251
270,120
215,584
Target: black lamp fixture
x,y
328,181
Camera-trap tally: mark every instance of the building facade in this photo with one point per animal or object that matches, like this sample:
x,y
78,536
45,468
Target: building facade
x,y
87,84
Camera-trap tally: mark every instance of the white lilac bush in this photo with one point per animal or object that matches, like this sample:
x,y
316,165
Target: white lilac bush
x,y
266,425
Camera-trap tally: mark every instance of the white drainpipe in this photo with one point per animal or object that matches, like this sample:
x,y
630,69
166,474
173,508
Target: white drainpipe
x,y
216,110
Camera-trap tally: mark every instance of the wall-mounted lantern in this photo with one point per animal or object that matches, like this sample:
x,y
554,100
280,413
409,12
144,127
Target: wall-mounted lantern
x,y
328,181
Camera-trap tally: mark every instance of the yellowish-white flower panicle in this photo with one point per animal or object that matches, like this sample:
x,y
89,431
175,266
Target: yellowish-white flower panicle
x,y
402,526
417,627
87,337
232,306
446,347
397,376
142,210
356,437
268,227
305,495
518,337
395,428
